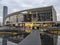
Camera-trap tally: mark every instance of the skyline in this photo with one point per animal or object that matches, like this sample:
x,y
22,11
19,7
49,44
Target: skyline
x,y
17,5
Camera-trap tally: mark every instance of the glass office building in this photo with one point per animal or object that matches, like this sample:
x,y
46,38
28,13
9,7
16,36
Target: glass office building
x,y
33,15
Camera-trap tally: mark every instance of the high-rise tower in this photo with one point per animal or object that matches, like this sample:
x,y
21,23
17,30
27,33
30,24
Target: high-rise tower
x,y
5,12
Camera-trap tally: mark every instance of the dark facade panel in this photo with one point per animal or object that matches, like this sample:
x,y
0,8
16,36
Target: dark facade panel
x,y
45,16
27,18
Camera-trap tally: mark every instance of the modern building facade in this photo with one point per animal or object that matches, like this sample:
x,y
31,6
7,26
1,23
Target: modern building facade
x,y
32,15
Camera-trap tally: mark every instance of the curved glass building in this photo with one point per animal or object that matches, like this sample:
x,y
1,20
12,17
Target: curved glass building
x,y
32,15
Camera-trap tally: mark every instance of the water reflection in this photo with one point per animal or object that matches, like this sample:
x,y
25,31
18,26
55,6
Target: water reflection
x,y
10,43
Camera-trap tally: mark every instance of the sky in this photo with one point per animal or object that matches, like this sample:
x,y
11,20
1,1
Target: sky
x,y
17,5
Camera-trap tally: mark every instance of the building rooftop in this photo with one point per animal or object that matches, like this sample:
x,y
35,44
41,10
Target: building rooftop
x,y
33,9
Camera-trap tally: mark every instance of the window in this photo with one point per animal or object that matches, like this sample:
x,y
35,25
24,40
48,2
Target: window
x,y
27,18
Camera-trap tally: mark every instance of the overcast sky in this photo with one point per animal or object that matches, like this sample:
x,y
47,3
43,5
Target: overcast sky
x,y
16,5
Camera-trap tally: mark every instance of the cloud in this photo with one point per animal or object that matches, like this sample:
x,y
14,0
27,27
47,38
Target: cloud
x,y
26,4
17,5
14,10
1,18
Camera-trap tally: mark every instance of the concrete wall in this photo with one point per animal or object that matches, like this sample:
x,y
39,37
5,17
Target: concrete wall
x,y
54,14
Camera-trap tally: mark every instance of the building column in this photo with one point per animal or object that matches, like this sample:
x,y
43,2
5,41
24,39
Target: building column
x,y
36,16
4,40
